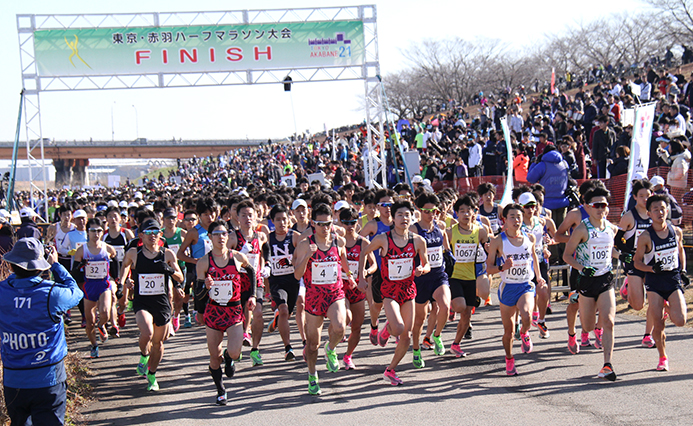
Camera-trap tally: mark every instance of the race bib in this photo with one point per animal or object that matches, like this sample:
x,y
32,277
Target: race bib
x,y
400,269
638,233
96,270
520,272
174,248
208,245
324,273
120,253
669,258
253,259
151,284
435,256
495,225
354,268
281,265
465,252
600,255
480,254
221,292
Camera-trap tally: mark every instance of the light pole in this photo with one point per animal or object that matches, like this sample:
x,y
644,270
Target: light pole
x,y
137,123
112,127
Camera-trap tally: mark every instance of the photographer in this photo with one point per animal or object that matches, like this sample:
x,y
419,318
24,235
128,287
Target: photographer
x,y
34,347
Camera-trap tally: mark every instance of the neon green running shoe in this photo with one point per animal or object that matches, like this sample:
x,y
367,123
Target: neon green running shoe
x,y
142,366
256,358
313,385
153,385
331,356
418,360
438,346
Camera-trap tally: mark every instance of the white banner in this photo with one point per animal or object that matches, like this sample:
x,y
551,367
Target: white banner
x,y
509,185
640,145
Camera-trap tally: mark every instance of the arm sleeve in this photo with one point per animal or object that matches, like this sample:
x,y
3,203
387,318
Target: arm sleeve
x,y
252,276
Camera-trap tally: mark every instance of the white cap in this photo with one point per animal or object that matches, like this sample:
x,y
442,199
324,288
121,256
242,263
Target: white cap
x,y
341,205
298,203
4,214
133,205
79,213
417,179
427,182
112,203
138,194
123,204
526,198
657,180
27,212
149,207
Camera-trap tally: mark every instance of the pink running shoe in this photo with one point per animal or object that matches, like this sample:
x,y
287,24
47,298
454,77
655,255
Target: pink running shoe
x,y
175,321
598,332
451,317
526,343
348,363
383,336
573,346
510,367
585,339
392,377
373,335
459,353
535,319
246,340
663,364
624,290
648,342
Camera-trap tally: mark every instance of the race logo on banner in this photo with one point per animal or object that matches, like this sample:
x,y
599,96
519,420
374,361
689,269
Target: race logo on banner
x,y
640,147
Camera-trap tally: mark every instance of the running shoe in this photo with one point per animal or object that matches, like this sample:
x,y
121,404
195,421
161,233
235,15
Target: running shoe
x,y
474,309
331,357
573,346
246,340
383,336
373,335
129,305
607,373
468,333
624,291
256,358
114,331
313,385
188,322
221,399
418,360
527,344
121,320
549,311
152,384
84,323
648,342
175,321
517,331
103,333
392,377
345,338
348,363
229,365
273,324
543,330
439,347
289,355
488,301
585,339
510,369
451,317
535,319
598,332
142,366
67,317
94,352
427,344
459,353
663,364
573,297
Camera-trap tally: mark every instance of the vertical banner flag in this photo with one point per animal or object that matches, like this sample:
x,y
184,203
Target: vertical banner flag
x,y
640,145
553,81
507,193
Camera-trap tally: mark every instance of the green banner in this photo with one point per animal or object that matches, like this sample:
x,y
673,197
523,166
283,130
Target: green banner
x,y
112,51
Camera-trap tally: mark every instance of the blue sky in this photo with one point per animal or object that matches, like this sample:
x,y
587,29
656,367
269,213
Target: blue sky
x,y
263,111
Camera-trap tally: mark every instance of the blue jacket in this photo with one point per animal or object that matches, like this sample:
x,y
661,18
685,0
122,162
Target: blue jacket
x,y
33,338
552,173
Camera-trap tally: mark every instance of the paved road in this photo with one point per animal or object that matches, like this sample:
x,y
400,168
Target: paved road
x,y
553,386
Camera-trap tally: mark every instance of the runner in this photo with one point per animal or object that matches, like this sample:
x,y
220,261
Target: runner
x,y
398,248
633,224
74,240
356,304
381,224
433,286
189,222
174,236
518,266
467,238
317,259
660,254
94,258
154,270
117,237
224,312
487,192
249,239
283,285
301,213
589,250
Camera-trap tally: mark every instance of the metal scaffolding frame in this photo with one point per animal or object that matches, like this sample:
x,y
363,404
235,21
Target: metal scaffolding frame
x,y
369,71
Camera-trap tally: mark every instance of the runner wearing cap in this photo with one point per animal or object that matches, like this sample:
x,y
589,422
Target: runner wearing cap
x,y
117,237
174,236
94,259
74,240
301,213
153,268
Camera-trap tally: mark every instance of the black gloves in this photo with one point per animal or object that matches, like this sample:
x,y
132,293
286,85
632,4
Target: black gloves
x,y
588,271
